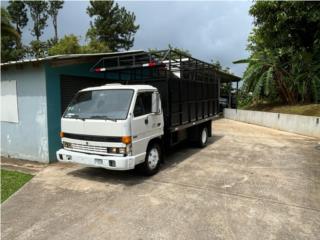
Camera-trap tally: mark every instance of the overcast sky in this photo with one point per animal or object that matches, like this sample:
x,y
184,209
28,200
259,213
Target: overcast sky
x,y
209,30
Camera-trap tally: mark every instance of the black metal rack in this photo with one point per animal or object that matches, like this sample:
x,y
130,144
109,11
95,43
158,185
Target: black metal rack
x,y
189,88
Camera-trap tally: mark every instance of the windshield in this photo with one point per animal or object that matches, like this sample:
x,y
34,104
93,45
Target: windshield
x,y
112,104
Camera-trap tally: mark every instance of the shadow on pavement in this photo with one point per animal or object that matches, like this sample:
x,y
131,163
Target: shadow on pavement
x,y
132,177
183,151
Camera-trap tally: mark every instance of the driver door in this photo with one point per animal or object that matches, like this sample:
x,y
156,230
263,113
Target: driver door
x,y
145,124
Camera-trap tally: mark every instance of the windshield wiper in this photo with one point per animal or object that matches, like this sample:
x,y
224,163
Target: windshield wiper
x,y
103,117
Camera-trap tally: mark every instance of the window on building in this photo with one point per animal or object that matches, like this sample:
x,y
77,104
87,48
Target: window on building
x,y
9,102
143,104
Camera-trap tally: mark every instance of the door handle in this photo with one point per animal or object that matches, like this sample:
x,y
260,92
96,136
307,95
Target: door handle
x,y
146,121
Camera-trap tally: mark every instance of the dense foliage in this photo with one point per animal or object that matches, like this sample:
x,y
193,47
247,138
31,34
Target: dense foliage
x,y
10,39
112,29
67,45
70,44
18,14
112,25
284,64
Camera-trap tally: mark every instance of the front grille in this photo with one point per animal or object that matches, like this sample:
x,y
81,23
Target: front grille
x,y
81,147
92,138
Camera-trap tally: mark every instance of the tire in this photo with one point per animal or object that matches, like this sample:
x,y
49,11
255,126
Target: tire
x,y
152,161
203,137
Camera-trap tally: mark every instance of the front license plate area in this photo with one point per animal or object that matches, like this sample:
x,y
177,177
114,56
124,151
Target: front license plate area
x,y
98,161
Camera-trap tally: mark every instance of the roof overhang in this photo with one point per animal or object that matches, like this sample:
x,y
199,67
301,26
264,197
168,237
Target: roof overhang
x,y
68,58
228,78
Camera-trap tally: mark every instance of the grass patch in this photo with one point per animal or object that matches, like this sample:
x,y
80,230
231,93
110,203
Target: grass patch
x,y
11,181
306,109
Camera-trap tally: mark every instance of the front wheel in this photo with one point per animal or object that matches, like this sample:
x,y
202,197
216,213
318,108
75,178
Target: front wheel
x,y
152,161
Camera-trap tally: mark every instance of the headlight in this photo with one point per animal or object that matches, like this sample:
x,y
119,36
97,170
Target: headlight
x,y
121,150
67,145
115,150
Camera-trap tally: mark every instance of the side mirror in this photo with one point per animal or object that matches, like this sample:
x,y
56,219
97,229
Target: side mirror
x,y
156,103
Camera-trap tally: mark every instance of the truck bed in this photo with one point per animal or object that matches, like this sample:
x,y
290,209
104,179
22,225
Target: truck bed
x,y
189,88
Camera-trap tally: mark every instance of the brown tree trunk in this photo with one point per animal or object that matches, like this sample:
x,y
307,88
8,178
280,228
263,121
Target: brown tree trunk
x,y
55,25
282,92
290,95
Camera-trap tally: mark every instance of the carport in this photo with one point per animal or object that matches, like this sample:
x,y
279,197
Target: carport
x,y
41,89
231,84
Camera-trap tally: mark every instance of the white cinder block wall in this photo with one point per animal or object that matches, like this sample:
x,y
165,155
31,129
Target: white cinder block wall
x,y
28,137
304,125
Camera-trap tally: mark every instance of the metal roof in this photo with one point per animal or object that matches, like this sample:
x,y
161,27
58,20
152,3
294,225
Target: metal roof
x,y
67,56
228,77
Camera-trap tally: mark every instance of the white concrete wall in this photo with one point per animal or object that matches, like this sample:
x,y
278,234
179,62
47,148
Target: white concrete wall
x,y
28,138
305,125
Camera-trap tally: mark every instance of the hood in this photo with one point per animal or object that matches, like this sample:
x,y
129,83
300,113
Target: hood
x,y
96,127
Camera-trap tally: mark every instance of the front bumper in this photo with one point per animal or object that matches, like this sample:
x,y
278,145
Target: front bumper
x,y
108,162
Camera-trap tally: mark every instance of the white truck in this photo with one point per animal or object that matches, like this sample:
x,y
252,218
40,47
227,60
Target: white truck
x,y
124,126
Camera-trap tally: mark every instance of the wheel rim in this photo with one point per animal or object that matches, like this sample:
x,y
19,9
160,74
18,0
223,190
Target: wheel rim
x,y
204,136
153,158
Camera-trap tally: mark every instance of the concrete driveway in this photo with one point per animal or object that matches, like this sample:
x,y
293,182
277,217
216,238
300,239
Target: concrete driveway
x,y
250,183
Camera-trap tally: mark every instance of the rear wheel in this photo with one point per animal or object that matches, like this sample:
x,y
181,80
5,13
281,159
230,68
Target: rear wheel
x,y
203,137
152,161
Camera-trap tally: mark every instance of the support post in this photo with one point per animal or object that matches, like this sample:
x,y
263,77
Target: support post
x,y
229,104
237,95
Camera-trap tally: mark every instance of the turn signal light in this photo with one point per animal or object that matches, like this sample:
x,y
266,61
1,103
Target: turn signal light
x,y
61,134
126,139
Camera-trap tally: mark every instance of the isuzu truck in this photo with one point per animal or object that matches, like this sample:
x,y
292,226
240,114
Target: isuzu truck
x,y
151,102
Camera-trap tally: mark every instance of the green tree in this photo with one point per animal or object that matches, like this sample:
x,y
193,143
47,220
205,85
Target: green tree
x,y
112,25
95,46
37,49
6,27
69,44
285,52
260,78
9,39
53,10
18,13
38,12
10,51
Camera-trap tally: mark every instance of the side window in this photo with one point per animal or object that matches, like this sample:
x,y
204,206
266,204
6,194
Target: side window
x,y
138,108
147,102
143,104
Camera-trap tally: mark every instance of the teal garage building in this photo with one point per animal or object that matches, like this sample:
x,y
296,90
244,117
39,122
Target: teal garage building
x,y
34,94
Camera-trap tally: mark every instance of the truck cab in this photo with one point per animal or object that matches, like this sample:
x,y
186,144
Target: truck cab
x,y
114,127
